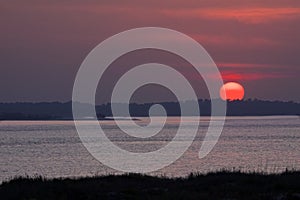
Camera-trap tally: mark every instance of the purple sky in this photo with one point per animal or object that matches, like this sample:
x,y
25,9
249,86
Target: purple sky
x,y
256,43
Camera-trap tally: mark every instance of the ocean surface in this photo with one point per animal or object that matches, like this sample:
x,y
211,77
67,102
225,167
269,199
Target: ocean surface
x,y
53,148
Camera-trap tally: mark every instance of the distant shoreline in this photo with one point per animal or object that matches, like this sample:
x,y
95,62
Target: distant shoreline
x,y
137,118
63,111
104,119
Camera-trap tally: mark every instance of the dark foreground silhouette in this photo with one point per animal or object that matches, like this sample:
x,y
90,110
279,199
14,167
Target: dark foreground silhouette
x,y
219,185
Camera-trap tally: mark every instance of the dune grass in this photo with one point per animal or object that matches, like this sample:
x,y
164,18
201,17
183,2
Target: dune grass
x,y
217,185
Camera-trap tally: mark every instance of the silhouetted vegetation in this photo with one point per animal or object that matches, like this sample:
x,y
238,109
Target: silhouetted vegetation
x,y
234,108
218,185
63,111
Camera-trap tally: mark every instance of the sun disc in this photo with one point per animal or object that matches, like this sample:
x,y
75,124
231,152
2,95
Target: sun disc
x,y
232,91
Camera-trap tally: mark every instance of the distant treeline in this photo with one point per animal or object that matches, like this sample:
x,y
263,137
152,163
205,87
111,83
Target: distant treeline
x,y
234,108
58,110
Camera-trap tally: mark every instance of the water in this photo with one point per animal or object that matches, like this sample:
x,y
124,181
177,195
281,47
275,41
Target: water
x,y
53,148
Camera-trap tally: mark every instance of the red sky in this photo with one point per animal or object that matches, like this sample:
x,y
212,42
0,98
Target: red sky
x,y
44,42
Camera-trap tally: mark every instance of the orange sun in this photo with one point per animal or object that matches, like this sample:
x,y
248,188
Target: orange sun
x,y
232,91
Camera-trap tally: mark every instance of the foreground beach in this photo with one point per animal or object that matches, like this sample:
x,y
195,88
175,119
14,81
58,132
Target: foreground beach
x,y
218,185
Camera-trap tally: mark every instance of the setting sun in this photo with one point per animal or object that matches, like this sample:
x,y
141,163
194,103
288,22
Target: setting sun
x,y
232,91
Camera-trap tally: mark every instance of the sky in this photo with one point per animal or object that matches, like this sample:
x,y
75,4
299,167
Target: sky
x,y
43,42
